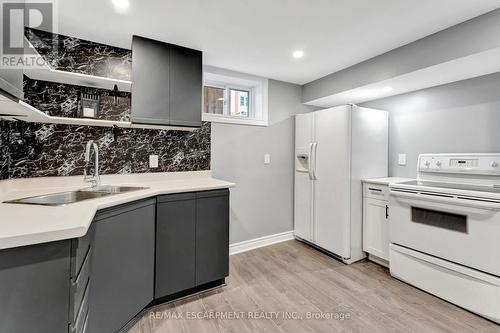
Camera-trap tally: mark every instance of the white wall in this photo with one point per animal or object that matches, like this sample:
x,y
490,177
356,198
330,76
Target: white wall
x,y
461,117
262,201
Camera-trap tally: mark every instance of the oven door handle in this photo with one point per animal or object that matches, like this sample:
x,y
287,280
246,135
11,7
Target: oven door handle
x,y
459,201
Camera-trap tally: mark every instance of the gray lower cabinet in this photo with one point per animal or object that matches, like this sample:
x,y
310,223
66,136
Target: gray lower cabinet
x,y
212,236
175,243
80,284
132,255
192,240
34,284
122,266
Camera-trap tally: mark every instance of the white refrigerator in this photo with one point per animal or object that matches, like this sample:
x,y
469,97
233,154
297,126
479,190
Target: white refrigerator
x,y
334,149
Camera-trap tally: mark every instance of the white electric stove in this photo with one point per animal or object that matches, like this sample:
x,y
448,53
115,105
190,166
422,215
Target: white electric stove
x,y
445,230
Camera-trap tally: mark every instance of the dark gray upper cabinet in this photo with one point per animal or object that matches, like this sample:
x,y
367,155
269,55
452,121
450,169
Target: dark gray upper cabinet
x,y
166,84
175,243
122,265
212,236
34,284
186,81
150,81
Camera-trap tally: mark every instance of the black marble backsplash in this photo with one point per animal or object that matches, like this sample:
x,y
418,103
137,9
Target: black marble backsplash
x,y
37,150
61,100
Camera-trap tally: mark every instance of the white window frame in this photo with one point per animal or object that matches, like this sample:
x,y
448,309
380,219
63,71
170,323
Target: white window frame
x,y
226,79
227,99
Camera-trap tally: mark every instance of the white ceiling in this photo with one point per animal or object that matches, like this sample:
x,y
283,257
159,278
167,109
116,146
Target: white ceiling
x,y
258,36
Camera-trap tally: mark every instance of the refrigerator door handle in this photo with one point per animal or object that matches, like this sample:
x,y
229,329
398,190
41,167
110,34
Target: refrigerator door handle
x,y
313,160
309,163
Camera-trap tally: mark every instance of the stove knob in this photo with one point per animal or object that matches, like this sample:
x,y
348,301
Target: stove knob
x,y
427,163
494,164
438,163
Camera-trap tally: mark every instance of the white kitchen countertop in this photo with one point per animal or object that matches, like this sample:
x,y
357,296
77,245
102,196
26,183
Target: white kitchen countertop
x,y
386,180
31,224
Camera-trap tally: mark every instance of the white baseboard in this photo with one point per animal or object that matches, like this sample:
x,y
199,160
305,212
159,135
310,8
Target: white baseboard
x,y
260,242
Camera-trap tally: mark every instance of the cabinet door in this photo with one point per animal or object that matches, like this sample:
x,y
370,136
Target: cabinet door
x,y
122,268
376,227
34,286
212,236
185,86
175,244
150,81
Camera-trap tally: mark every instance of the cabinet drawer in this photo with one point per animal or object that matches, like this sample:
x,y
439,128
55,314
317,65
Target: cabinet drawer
x,y
78,287
78,325
376,191
79,250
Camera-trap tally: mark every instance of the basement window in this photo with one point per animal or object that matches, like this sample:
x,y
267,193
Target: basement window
x,y
227,100
234,98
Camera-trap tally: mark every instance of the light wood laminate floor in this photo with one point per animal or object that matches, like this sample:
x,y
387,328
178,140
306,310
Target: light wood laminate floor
x,y
292,279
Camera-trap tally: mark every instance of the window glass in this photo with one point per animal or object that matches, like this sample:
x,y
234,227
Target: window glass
x,y
239,102
214,100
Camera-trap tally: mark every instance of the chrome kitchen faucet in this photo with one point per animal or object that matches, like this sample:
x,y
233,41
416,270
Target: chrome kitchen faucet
x,y
95,180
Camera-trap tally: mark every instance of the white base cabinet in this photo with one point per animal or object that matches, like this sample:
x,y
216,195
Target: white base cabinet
x,y
376,220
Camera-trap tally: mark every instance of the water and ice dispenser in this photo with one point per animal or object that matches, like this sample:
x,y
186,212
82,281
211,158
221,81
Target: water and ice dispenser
x,y
302,161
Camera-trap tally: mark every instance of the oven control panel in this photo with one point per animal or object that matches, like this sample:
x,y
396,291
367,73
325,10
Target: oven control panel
x,y
464,163
481,164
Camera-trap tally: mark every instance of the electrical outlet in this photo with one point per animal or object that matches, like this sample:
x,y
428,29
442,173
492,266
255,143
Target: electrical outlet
x,y
402,159
267,159
153,161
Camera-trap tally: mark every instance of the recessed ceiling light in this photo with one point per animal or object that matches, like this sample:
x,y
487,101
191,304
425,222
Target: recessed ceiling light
x,y
387,89
298,54
121,6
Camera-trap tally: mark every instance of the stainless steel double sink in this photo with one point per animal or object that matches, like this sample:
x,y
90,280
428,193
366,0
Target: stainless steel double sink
x,y
69,197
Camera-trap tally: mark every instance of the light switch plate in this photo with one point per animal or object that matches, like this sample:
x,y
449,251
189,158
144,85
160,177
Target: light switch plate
x,y
267,159
402,159
153,161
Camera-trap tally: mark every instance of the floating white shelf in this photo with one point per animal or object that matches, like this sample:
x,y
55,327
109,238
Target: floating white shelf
x,y
11,110
46,73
